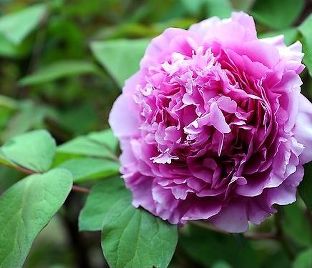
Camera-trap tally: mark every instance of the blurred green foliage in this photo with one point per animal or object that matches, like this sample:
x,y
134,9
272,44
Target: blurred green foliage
x,y
63,63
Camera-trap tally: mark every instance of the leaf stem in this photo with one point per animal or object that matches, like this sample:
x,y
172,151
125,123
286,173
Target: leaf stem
x,y
24,170
261,236
80,189
247,235
27,171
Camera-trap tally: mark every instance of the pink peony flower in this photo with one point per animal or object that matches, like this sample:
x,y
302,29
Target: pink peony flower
x,y
213,126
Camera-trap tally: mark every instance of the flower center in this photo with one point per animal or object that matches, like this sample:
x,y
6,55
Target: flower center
x,y
190,108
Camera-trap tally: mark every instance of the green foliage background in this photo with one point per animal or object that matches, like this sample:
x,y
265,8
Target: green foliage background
x,y
62,64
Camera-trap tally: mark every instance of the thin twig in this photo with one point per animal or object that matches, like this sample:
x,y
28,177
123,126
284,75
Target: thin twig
x,y
249,235
17,167
261,236
207,226
24,170
30,172
80,189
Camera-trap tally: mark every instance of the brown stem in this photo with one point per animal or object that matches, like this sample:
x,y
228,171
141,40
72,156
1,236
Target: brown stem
x,y
261,236
207,226
251,236
27,171
24,170
80,189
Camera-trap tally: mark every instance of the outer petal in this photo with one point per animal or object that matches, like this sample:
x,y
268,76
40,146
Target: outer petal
x,y
172,40
257,212
303,129
286,193
124,116
232,218
202,209
141,191
214,29
291,55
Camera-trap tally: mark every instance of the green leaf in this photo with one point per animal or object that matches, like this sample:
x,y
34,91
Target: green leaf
x,y
276,14
135,238
212,247
193,7
3,160
96,144
15,27
221,264
8,176
220,8
305,187
34,150
105,137
29,116
84,169
306,31
244,5
58,70
8,102
113,55
296,224
11,50
7,48
276,258
106,195
131,237
304,259
25,209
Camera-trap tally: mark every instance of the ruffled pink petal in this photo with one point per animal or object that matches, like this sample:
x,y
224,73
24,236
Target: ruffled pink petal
x,y
214,29
232,218
124,116
303,129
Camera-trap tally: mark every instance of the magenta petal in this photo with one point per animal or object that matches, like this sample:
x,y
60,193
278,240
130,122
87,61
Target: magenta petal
x,y
303,129
123,118
202,210
257,211
233,218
